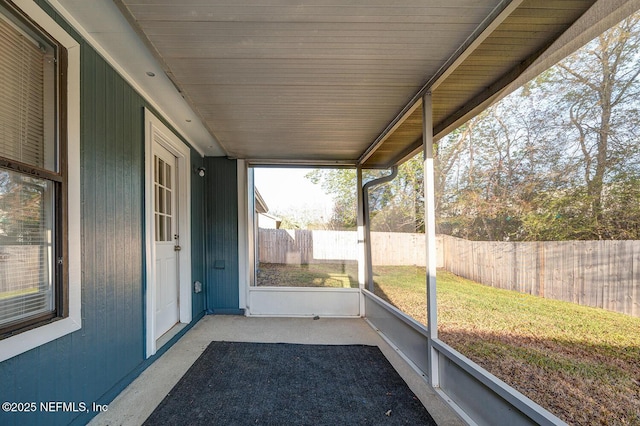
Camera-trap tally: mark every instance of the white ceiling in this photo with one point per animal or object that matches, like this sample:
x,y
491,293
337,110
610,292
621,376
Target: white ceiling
x,y
313,80
102,24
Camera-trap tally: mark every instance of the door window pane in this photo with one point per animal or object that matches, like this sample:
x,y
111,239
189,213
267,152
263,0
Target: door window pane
x,y
163,200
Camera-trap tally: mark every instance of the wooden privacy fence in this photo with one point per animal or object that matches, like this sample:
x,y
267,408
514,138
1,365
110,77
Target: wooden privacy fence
x,y
306,246
601,274
20,268
302,246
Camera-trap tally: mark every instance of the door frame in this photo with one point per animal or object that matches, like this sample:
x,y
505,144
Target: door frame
x,y
157,132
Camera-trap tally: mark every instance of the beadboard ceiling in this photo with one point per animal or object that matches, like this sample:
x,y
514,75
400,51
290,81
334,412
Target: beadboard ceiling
x,y
332,81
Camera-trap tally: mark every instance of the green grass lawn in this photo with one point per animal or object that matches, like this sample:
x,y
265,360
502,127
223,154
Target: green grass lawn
x,y
581,363
313,275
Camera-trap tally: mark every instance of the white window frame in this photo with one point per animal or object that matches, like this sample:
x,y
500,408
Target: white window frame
x,y
25,341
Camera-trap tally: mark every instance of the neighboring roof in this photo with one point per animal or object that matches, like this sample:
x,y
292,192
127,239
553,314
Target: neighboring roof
x,y
261,205
329,81
272,217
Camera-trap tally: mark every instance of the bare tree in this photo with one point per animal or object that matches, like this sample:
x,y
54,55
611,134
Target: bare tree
x,y
601,92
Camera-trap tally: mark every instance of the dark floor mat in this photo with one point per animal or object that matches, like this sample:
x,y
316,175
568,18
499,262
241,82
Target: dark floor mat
x,y
235,383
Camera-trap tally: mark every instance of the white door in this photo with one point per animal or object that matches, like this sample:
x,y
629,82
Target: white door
x,y
167,306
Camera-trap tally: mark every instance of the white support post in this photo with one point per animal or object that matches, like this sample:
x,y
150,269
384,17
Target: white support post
x,y
361,242
430,234
251,235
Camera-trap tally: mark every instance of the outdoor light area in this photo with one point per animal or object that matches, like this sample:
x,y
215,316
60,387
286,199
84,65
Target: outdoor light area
x,y
305,236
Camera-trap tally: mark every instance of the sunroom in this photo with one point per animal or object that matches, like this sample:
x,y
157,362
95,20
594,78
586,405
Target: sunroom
x,y
158,116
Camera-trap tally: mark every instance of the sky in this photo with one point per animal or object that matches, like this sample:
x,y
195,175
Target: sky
x,y
286,190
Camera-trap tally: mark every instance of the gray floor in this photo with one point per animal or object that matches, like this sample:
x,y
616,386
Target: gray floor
x,y
140,398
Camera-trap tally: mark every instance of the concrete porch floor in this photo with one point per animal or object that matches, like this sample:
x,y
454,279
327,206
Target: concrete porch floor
x,y
141,397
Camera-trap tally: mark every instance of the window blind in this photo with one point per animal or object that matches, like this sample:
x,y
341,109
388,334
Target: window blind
x,y
22,89
26,202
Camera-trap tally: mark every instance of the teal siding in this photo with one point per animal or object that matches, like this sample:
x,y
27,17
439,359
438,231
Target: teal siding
x,y
98,361
222,236
113,209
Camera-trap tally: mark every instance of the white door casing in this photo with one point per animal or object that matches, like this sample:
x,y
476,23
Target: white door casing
x,y
165,303
166,240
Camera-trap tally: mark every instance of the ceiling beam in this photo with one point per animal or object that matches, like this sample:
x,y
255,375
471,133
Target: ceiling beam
x,y
265,162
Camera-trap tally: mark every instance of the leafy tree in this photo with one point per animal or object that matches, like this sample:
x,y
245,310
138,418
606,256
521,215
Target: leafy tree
x,y
557,159
397,206
488,172
341,184
23,208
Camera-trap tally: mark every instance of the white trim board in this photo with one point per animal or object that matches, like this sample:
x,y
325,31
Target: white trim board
x,y
154,128
304,302
244,258
31,339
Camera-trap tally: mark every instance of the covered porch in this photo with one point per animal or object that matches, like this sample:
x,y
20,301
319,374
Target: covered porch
x,y
202,93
